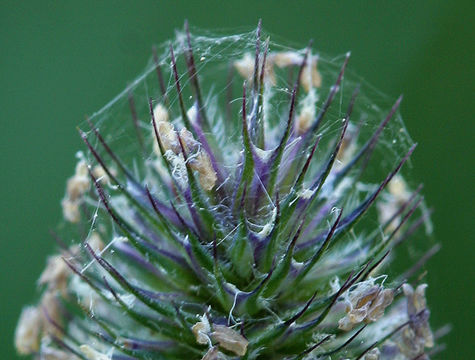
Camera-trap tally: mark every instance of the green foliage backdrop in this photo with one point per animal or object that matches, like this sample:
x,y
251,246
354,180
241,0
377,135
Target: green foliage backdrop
x,y
62,60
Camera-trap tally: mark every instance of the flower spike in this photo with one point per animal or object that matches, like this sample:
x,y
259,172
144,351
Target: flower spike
x,y
247,226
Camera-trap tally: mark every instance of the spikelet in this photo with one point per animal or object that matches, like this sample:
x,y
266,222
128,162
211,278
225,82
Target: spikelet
x,y
256,220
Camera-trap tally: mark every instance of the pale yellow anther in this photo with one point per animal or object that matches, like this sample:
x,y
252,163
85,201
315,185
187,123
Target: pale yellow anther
x,y
245,66
398,188
188,141
50,308
269,74
100,174
79,183
160,113
71,210
398,193
38,322
198,160
305,119
81,169
76,187
27,333
348,147
310,76
286,58
193,113
168,137
207,176
230,339
307,113
55,274
201,330
95,242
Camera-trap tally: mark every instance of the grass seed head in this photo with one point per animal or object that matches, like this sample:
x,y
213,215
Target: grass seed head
x,y
256,220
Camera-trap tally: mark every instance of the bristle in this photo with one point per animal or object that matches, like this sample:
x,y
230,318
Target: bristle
x,y
313,347
247,169
184,115
367,148
161,83
135,120
278,152
315,322
357,213
346,343
314,259
334,89
372,346
194,80
256,59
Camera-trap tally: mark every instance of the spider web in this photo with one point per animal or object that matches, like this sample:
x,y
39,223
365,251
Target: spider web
x,y
221,87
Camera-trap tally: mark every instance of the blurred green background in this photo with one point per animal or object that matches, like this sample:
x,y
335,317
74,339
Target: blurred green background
x,y
61,60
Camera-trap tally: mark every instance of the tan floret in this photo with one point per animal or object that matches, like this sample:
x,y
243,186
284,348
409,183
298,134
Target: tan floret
x,y
366,303
230,339
27,333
